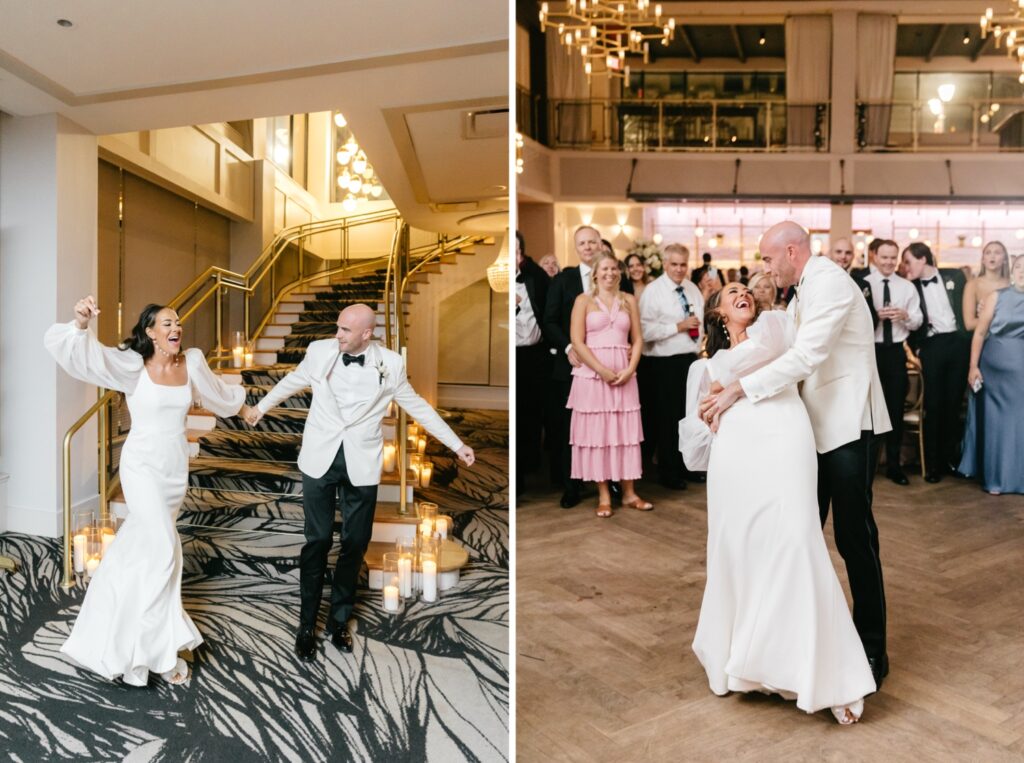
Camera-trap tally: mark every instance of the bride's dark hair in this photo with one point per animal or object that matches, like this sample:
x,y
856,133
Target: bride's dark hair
x,y
139,340
716,335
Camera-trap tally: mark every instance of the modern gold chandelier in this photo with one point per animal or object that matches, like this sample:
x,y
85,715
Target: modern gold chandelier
x,y
1010,27
604,33
353,173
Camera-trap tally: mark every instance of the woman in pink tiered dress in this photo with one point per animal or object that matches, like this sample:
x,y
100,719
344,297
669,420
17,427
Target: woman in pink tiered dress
x,y
606,433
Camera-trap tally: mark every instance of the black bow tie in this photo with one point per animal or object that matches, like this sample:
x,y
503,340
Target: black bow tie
x,y
926,281
346,359
520,278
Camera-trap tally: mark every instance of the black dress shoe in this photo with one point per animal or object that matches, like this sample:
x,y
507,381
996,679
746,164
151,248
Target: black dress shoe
x,y
932,477
676,484
570,498
342,640
615,489
305,646
697,477
896,475
879,668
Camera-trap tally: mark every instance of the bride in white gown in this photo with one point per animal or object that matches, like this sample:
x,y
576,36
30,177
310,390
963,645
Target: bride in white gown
x,y
774,617
131,621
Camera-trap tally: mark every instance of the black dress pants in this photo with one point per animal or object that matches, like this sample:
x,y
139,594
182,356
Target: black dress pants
x,y
531,399
320,500
945,360
562,422
844,481
668,378
892,372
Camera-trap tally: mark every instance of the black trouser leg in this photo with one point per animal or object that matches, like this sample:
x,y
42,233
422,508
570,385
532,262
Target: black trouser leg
x,y
561,394
669,378
955,389
844,480
944,362
892,372
529,409
648,405
320,501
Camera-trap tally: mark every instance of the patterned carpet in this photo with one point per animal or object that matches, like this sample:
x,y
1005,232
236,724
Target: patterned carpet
x,y
429,685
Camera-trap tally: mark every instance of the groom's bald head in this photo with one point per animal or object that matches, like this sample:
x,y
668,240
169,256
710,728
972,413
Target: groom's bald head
x,y
355,328
785,249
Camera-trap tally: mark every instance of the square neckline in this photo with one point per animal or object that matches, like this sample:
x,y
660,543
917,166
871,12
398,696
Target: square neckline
x,y
188,378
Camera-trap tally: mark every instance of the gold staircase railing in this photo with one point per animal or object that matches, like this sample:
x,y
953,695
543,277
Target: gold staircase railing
x,y
215,283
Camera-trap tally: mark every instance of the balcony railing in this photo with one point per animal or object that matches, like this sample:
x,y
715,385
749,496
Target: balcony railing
x,y
678,125
980,125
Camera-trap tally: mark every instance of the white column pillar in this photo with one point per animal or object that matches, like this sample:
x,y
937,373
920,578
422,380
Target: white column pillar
x,y
844,82
48,229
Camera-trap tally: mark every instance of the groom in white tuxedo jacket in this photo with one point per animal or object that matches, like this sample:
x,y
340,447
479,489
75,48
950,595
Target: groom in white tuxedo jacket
x,y
833,355
353,380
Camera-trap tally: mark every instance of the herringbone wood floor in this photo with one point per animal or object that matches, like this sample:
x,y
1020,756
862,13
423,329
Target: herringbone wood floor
x,y
606,611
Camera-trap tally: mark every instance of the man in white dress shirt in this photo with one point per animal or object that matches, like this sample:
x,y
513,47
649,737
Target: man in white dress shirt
x,y
353,380
671,318
899,313
833,355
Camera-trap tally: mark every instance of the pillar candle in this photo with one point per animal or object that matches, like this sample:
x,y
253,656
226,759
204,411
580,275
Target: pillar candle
x,y
391,598
237,356
405,575
389,458
427,527
426,472
444,525
108,538
248,360
78,544
429,580
91,565
421,445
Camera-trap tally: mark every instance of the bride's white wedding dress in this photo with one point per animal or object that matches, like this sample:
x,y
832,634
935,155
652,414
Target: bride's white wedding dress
x,y
131,622
774,617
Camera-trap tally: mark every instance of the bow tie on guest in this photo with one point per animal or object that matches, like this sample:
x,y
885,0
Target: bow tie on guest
x,y
346,359
926,281
520,278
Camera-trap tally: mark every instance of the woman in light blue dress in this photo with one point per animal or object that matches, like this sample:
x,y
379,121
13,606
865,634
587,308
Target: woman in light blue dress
x,y
994,438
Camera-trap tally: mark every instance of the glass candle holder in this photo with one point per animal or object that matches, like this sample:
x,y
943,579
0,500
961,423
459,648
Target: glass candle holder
x,y
82,525
107,531
421,444
250,353
443,526
430,558
238,349
391,598
407,553
428,517
426,473
390,457
94,548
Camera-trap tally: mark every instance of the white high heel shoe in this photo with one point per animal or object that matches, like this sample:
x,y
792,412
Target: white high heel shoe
x,y
180,674
847,715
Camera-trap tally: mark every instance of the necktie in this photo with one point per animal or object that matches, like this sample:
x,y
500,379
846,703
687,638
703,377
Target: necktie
x,y
887,323
346,359
683,300
926,281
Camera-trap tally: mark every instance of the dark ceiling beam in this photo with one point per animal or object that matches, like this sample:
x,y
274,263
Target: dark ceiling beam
x,y
933,49
688,41
981,46
738,43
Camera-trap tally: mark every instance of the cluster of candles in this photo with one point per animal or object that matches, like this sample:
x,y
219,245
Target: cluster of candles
x,y
421,467
414,565
242,352
90,541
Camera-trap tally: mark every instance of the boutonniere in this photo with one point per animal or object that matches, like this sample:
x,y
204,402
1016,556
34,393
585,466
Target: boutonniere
x,y
950,285
382,372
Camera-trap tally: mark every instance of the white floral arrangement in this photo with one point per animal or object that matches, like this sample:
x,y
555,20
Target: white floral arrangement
x,y
650,253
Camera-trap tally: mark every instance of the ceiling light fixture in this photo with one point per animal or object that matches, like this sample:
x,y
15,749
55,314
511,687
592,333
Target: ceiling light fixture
x,y
66,23
967,37
761,39
1010,29
604,32
353,174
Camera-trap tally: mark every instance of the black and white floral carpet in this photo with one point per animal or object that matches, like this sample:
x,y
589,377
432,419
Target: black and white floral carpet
x,y
431,684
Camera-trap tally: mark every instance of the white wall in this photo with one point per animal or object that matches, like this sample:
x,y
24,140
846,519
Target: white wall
x,y
48,232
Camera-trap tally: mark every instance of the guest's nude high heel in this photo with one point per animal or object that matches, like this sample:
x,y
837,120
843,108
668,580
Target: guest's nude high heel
x,y
177,675
847,715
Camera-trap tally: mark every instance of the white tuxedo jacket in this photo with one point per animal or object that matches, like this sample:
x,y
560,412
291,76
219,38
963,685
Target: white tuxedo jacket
x,y
833,355
359,429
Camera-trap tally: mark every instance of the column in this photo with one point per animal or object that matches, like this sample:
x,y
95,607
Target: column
x,y
48,233
844,83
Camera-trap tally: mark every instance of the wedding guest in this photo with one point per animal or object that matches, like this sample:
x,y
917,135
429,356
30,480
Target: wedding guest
x,y
898,308
637,272
550,265
994,440
765,294
744,275
606,431
873,245
131,622
562,294
841,253
533,362
708,281
732,275
994,275
671,313
607,248
943,344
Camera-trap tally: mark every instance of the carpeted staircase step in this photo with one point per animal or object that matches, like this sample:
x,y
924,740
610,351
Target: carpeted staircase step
x,y
300,400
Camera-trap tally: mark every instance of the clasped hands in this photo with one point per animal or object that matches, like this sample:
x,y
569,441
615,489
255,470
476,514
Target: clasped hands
x,y
616,378
251,414
893,314
718,401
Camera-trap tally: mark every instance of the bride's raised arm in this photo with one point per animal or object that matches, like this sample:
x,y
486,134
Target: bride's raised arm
x,y
767,338
80,354
695,437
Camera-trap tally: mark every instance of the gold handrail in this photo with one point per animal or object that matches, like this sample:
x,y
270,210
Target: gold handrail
x,y
223,280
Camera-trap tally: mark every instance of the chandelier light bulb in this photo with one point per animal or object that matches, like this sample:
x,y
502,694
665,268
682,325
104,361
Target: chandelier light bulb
x,y
976,241
368,172
355,185
935,106
914,232
376,190
343,157
359,165
339,119
345,178
698,231
349,203
946,92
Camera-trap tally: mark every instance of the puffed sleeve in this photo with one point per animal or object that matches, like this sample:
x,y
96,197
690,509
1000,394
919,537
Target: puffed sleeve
x,y
214,394
79,353
768,338
695,437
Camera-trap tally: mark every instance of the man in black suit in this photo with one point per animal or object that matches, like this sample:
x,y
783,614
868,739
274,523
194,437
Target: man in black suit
x,y
533,363
841,254
944,346
565,287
